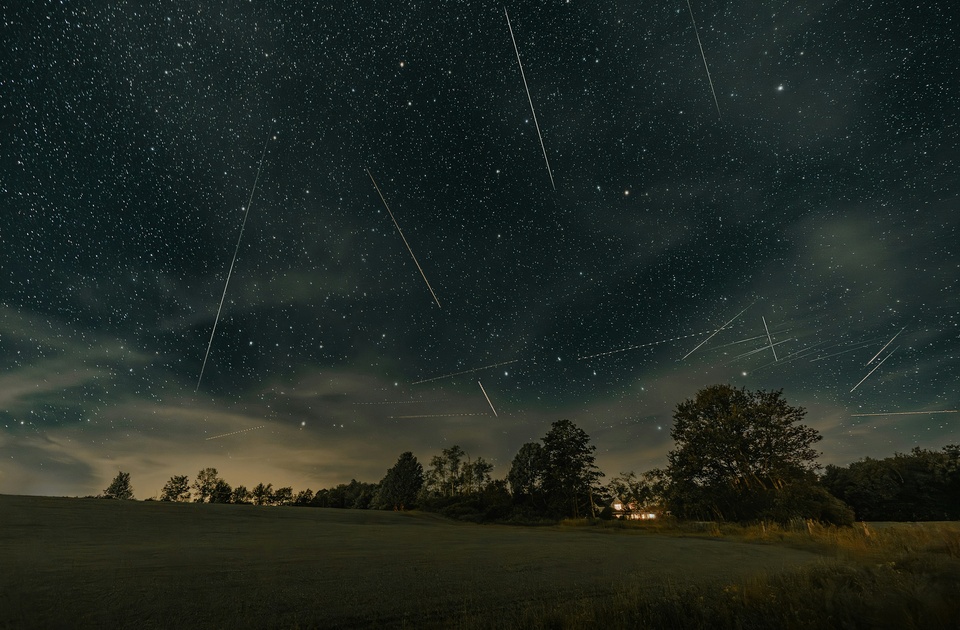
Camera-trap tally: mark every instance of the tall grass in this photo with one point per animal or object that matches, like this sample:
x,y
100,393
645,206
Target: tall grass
x,y
902,576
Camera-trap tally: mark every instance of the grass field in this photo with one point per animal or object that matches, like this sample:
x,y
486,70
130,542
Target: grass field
x,y
96,563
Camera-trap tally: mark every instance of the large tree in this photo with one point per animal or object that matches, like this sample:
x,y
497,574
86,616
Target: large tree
x,y
282,496
446,477
735,451
399,487
177,489
240,494
261,494
206,483
476,475
221,492
120,487
527,471
572,475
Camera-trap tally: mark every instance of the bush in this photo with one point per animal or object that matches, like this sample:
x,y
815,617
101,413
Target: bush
x,y
810,501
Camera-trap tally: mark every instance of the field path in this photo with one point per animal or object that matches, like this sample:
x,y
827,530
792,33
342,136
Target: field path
x,y
98,563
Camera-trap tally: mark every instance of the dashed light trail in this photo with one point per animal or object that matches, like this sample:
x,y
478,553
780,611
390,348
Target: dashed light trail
x,y
732,319
235,432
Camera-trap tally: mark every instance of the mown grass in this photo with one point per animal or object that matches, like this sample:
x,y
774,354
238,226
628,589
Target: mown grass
x,y
87,563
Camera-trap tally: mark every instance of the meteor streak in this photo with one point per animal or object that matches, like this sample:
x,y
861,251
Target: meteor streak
x,y
761,317
717,330
232,263
437,415
236,432
799,354
875,369
902,413
532,111
488,398
397,225
399,402
761,349
885,346
835,354
642,345
697,33
471,371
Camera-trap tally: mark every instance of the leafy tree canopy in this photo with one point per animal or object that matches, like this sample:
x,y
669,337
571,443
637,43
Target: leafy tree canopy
x,y
734,449
120,487
398,489
177,489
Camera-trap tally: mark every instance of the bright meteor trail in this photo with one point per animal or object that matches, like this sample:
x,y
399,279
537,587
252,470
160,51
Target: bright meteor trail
x,y
885,346
532,111
470,371
902,413
702,54
876,368
487,397
397,225
232,263
718,330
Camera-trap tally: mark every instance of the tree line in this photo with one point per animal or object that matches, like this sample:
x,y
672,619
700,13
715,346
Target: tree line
x,y
738,455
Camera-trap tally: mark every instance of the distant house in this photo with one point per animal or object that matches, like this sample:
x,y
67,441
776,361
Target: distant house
x,y
631,511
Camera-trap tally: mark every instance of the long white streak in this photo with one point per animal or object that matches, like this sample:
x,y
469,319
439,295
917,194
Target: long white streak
x,y
232,263
761,349
902,413
702,54
718,330
397,225
765,322
488,398
470,371
532,111
235,432
793,356
437,415
875,369
836,354
885,346
799,354
733,343
642,345
401,402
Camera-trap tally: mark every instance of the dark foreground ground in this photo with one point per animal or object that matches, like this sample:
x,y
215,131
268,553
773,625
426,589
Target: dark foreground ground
x,y
96,563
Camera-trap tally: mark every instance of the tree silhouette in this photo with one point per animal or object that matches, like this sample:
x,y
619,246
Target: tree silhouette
x,y
119,488
398,489
735,450
571,474
177,489
528,470
262,494
205,484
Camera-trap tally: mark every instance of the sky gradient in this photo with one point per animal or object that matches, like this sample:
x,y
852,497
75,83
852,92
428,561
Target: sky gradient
x,y
820,206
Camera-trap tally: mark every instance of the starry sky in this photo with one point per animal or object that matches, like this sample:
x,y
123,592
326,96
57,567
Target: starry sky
x,y
810,226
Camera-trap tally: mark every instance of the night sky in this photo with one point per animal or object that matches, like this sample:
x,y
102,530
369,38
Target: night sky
x,y
821,204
